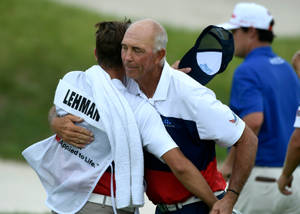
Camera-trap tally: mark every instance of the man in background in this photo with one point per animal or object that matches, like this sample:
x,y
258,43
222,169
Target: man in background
x,y
265,94
292,159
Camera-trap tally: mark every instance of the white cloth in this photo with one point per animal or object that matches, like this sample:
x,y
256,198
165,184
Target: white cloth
x,y
70,174
297,121
264,197
123,135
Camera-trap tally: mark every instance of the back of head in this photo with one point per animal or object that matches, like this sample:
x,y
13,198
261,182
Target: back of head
x,y
109,36
246,15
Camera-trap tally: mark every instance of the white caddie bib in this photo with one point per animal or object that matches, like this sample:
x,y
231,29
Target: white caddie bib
x,y
69,174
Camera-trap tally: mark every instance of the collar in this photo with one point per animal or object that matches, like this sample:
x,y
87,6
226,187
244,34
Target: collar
x,y
163,85
260,51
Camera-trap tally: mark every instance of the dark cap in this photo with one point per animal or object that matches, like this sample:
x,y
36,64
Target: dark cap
x,y
210,55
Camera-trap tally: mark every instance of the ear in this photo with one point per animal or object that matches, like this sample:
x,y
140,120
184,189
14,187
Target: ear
x,y
252,32
160,55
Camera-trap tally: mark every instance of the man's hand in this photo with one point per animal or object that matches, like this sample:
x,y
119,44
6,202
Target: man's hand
x,y
226,171
225,205
284,182
185,70
66,129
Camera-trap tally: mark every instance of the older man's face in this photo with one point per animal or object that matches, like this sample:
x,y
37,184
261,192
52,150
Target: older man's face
x,y
137,51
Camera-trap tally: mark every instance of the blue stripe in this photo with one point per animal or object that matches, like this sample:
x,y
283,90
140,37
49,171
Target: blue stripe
x,y
185,134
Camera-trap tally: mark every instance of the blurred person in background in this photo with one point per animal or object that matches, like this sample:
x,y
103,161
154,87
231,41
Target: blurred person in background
x,y
292,159
265,94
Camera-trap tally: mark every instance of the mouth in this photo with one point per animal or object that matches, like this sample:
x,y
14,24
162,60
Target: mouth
x,y
129,68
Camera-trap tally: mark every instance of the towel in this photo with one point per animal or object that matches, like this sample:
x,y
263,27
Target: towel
x,y
123,135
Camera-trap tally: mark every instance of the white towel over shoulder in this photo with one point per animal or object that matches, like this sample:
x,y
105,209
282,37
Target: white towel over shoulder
x,y
124,137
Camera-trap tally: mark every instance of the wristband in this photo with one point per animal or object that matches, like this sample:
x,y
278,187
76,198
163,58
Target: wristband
x,y
232,190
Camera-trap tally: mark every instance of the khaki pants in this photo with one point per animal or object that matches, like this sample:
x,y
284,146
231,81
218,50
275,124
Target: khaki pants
x,y
94,208
261,197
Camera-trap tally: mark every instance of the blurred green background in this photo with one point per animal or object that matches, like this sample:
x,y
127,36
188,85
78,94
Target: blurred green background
x,y
42,40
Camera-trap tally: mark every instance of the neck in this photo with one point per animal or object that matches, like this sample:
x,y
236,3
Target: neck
x,y
258,44
115,73
149,82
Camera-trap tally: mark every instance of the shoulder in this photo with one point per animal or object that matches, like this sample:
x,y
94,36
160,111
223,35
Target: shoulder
x,y
73,76
78,79
136,103
185,85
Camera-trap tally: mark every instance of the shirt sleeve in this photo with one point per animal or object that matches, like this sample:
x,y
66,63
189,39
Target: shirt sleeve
x,y
215,121
297,121
155,137
246,96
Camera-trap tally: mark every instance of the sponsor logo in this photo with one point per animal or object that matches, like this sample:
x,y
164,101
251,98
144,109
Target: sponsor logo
x,y
168,123
206,69
234,120
276,60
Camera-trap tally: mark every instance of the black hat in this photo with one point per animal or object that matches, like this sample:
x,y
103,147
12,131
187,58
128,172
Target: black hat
x,y
210,55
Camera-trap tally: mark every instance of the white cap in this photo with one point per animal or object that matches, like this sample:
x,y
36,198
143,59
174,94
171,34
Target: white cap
x,y
249,15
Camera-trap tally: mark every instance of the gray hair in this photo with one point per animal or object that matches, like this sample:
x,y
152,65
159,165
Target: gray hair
x,y
160,40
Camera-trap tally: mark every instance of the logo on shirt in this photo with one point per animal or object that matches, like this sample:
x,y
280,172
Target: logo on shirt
x,y
276,60
234,120
298,113
168,123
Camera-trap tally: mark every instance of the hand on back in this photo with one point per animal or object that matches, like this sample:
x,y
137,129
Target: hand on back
x,y
66,129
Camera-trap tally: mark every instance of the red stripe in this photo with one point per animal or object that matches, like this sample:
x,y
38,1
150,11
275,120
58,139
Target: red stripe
x,y
164,187
103,185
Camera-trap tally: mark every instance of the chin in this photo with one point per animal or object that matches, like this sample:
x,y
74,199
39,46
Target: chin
x,y
130,74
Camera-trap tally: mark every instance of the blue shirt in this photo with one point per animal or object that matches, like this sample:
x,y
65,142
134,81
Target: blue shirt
x,y
266,83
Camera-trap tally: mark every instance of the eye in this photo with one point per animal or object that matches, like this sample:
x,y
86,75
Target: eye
x,y
138,50
124,47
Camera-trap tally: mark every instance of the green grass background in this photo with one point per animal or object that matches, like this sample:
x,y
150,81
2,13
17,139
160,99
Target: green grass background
x,y
40,41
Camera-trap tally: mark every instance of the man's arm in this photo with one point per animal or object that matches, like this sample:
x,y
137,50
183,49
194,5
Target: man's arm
x,y
244,157
66,129
292,160
254,122
189,176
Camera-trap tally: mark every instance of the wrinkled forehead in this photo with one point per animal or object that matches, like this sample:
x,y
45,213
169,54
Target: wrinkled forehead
x,y
139,35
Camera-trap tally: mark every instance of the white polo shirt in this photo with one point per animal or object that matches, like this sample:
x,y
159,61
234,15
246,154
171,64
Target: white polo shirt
x,y
196,120
297,121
